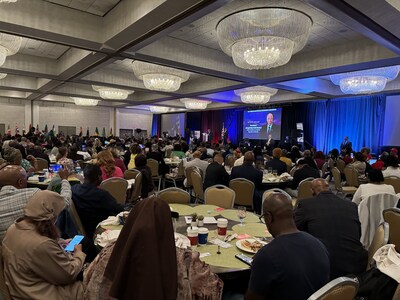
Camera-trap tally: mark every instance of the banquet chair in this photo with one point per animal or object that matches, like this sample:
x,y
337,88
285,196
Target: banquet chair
x,y
174,195
168,152
117,187
393,181
305,189
351,176
396,295
219,195
42,163
370,212
75,218
4,292
131,174
137,188
338,183
154,167
381,238
188,174
341,165
271,191
180,176
197,182
324,168
244,190
342,288
392,217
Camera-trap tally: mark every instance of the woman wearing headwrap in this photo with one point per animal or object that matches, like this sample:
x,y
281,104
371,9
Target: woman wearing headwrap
x,y
35,265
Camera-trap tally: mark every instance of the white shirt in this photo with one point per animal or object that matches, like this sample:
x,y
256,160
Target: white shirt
x,y
391,171
239,162
368,189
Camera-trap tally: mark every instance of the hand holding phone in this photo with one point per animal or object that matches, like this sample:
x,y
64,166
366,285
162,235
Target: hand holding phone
x,y
75,241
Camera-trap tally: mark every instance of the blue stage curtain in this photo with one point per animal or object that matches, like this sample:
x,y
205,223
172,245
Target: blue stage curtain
x,y
156,125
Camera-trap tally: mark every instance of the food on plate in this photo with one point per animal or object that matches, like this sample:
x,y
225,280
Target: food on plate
x,y
253,246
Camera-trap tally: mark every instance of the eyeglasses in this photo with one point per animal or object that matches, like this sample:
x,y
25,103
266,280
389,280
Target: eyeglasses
x,y
262,217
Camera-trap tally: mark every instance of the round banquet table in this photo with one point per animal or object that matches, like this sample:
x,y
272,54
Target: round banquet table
x,y
34,181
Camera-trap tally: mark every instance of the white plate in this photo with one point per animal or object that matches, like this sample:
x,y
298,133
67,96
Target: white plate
x,y
245,249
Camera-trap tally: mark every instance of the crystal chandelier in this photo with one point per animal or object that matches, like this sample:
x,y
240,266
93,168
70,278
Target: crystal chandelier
x,y
85,101
263,38
191,103
3,75
111,93
159,78
256,94
9,45
366,81
158,109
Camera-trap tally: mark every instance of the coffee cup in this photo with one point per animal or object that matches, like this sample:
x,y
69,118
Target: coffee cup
x,y
222,224
41,178
203,235
193,235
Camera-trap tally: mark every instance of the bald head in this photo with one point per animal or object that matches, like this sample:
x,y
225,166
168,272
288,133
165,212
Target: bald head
x,y
13,175
319,185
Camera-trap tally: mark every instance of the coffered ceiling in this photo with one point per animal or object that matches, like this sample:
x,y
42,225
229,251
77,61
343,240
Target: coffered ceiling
x,y
70,45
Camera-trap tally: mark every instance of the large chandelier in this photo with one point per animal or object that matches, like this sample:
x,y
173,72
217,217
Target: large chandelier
x,y
159,78
263,38
111,93
191,103
366,81
85,101
3,75
158,109
256,94
9,45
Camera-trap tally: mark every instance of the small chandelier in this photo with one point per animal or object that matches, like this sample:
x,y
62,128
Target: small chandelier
x,y
9,45
158,109
85,101
159,78
366,81
191,103
111,93
8,1
263,38
256,94
3,75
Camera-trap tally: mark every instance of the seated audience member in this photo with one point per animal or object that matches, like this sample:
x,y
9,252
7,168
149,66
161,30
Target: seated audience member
x,y
294,265
392,167
366,152
35,265
62,157
259,158
360,166
197,162
37,152
134,150
118,161
177,152
107,165
147,181
319,159
334,221
215,172
285,159
150,222
14,194
275,163
157,155
381,162
13,156
73,153
93,204
248,171
294,154
304,171
375,186
239,154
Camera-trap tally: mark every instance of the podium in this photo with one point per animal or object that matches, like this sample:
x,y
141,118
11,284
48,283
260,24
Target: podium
x,y
205,137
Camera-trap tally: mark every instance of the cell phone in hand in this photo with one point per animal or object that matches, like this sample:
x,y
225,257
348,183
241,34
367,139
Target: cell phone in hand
x,y
75,241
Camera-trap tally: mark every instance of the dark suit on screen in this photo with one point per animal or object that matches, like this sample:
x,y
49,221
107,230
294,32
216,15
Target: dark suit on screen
x,y
274,130
334,221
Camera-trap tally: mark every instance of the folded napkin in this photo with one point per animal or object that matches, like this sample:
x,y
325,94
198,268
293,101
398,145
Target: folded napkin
x,y
106,237
181,241
111,220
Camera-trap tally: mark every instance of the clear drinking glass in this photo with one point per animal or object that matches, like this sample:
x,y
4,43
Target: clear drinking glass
x,y
241,213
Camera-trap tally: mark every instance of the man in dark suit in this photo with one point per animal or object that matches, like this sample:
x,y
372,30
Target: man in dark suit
x,y
270,128
305,171
334,221
215,172
346,146
275,163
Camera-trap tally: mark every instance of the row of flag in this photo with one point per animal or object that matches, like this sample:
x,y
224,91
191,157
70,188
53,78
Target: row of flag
x,y
53,130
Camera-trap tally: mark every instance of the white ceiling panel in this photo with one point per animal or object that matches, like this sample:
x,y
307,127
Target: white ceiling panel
x,y
96,7
42,49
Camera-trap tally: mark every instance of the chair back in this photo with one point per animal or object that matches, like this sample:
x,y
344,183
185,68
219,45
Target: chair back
x,y
380,239
42,163
181,170
393,181
337,179
305,189
131,174
197,182
219,195
168,152
137,188
392,217
340,164
342,288
117,187
188,173
244,190
153,165
324,168
4,292
75,218
174,195
351,176
271,191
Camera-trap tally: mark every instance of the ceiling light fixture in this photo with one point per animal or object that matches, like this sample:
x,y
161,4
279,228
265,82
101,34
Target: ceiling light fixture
x,y
8,1
9,45
3,75
263,38
191,103
158,109
111,93
365,81
85,101
159,78
256,94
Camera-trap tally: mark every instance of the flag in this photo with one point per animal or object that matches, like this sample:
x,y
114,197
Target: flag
x,y
87,132
103,134
45,129
111,133
96,132
80,131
